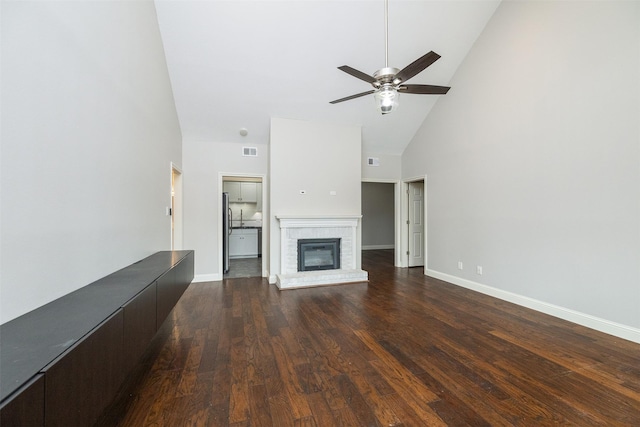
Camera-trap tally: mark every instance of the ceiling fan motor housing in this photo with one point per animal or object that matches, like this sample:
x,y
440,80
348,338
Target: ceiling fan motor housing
x,y
385,75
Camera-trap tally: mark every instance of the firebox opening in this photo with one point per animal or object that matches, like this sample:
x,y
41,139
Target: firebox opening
x,y
318,254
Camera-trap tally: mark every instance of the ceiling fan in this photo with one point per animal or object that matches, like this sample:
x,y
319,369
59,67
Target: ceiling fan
x,y
388,82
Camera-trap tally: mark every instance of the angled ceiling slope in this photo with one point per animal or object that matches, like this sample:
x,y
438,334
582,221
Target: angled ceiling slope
x,y
235,64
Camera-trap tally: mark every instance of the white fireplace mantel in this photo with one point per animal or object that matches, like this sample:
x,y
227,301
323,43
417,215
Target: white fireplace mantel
x,y
317,221
294,227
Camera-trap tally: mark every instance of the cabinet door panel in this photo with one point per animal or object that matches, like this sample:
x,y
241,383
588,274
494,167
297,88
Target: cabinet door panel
x,y
234,190
139,325
171,286
258,197
251,244
235,242
84,379
248,192
26,407
167,296
184,273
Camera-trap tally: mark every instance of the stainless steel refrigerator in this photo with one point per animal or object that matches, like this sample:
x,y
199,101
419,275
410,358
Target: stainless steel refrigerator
x,y
226,231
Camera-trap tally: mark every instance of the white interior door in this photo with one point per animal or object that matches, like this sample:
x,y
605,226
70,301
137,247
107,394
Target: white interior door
x,y
416,224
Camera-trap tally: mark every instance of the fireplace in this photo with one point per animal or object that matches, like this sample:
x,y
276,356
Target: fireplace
x,y
318,254
338,230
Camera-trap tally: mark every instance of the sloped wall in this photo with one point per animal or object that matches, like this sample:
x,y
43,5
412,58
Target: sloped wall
x,y
533,159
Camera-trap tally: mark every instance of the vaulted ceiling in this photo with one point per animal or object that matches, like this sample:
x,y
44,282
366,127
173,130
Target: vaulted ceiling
x,y
235,64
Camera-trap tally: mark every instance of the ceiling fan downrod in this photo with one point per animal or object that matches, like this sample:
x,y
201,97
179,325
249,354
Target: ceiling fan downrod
x,y
386,33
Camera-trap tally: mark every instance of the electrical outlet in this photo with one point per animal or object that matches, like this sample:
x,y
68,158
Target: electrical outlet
x,y
460,265
479,269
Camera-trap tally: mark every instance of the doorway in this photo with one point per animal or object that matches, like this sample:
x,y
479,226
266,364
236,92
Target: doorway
x,y
242,250
176,208
378,215
380,225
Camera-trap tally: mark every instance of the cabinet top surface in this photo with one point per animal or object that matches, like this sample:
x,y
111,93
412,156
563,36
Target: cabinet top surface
x,y
31,341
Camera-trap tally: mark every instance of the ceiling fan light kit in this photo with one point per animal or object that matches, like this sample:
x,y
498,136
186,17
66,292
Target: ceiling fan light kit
x,y
386,99
388,81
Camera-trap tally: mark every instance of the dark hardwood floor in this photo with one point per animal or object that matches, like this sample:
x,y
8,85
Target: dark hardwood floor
x,y
402,350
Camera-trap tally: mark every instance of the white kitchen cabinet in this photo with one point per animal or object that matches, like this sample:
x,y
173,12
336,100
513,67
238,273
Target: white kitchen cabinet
x,y
259,197
243,243
233,188
241,192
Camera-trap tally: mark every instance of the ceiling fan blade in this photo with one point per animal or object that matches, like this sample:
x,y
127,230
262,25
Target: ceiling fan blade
x,y
416,66
358,95
358,74
424,89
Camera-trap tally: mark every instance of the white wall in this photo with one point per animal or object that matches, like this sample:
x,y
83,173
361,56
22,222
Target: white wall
x,y
533,159
318,158
388,170
205,162
89,129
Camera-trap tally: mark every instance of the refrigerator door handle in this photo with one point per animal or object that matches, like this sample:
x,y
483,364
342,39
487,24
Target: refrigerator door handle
x,y
230,222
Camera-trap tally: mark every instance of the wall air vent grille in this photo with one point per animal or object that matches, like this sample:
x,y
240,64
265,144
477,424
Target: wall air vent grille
x,y
250,151
373,161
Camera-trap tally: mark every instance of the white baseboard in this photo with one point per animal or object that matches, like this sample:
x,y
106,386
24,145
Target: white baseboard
x,y
374,247
206,278
602,325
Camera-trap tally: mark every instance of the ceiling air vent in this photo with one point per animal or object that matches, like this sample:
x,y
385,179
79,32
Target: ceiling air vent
x,y
373,161
250,151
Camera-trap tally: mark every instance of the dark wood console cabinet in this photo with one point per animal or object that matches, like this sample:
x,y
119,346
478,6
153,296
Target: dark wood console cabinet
x,y
62,364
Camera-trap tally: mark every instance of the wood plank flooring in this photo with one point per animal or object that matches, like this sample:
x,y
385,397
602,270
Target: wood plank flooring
x,y
402,350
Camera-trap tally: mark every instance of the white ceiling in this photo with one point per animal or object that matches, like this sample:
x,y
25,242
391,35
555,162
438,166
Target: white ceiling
x,y
235,64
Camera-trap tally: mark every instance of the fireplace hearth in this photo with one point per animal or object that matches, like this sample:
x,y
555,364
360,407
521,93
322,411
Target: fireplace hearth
x,y
318,254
